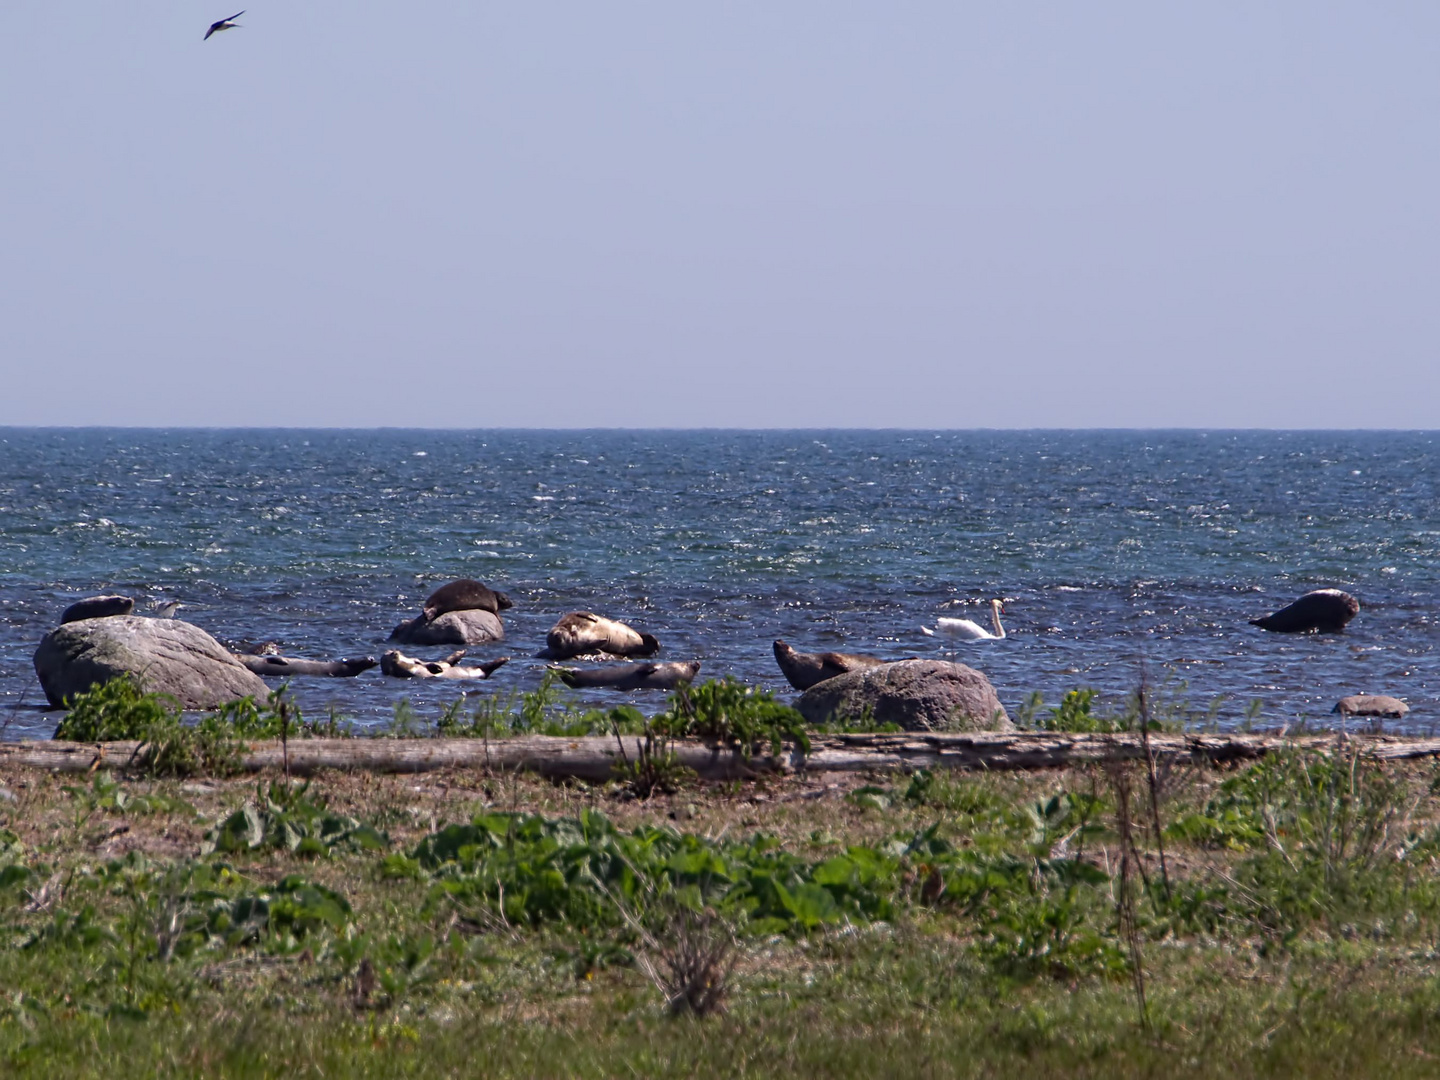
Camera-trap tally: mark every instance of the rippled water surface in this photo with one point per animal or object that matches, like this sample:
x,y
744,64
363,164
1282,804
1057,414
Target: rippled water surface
x,y
1110,550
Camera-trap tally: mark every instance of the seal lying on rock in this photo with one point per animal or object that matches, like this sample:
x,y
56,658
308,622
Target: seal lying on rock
x,y
401,666
465,595
283,667
1324,611
644,676
97,607
1371,705
804,670
582,632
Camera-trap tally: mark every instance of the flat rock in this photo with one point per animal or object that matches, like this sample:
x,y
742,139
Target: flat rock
x,y
469,627
916,695
166,656
1371,705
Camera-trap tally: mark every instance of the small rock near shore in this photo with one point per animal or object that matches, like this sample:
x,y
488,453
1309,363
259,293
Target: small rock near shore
x,y
472,626
1371,705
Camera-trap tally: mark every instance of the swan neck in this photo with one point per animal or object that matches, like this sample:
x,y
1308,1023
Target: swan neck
x,y
995,618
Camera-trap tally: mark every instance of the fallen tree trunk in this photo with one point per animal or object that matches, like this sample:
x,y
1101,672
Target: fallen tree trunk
x,y
595,757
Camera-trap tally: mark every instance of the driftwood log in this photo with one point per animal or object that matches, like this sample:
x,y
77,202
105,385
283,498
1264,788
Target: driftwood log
x,y
594,757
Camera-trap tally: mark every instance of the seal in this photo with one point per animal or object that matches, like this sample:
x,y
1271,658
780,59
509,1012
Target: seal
x,y
804,670
397,664
582,632
97,607
465,595
283,667
648,675
1324,611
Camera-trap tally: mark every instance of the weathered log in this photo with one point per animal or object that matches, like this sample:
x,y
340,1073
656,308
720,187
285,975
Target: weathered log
x,y
594,757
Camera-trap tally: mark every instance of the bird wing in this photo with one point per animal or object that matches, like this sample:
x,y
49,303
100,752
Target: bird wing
x,y
962,628
223,24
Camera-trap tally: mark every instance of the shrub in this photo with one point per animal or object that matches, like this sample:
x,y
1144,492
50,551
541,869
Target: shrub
x,y
732,713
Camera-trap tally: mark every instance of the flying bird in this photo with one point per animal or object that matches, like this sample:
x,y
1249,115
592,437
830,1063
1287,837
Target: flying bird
x,y
223,24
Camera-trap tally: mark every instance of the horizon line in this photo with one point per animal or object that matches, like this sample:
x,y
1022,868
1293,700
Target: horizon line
x,y
1189,429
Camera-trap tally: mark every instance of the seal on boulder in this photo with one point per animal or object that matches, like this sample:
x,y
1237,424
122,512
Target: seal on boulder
x,y
581,632
644,676
804,670
1324,611
97,607
465,595
282,667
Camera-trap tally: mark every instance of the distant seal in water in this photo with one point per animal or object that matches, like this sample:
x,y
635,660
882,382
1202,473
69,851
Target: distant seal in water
x,y
804,670
97,607
647,675
1324,611
582,632
465,595
1371,705
285,666
400,666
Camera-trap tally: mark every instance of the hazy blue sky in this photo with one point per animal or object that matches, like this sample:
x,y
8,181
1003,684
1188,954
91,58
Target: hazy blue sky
x,y
777,213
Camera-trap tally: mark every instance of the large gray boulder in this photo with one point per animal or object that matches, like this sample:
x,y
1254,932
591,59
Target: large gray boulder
x,y
472,626
917,695
165,656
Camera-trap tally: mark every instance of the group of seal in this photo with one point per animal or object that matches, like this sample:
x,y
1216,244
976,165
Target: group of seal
x,y
584,635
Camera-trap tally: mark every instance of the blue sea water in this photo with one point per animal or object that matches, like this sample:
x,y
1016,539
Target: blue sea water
x,y
1111,550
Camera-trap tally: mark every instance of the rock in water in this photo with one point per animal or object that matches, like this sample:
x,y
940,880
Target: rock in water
x,y
916,695
1371,705
1324,611
470,627
165,656
97,607
465,595
582,632
804,670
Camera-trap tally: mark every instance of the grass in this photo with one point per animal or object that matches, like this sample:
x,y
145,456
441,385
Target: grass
x,y
1277,919
933,924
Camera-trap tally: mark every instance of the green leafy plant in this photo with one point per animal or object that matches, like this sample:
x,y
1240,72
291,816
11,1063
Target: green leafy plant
x,y
284,818
729,712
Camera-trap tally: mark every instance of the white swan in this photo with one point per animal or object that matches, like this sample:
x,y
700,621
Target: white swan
x,y
967,630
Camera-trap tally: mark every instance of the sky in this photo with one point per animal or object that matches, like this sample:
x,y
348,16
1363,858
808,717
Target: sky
x,y
789,213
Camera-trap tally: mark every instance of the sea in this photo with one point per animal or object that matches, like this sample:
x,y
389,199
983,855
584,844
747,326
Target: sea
x,y
1120,556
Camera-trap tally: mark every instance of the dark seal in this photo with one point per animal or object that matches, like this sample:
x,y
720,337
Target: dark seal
x,y
1324,611
97,607
465,595
804,670
648,675
283,667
